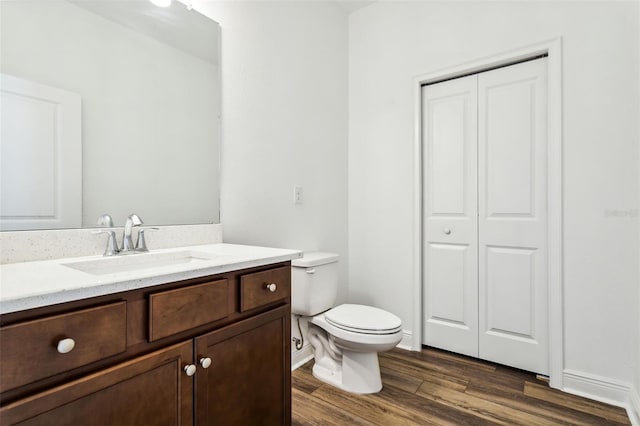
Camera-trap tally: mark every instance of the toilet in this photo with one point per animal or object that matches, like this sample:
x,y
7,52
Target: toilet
x,y
346,339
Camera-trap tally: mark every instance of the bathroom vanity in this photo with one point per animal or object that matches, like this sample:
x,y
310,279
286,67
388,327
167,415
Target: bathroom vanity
x,y
201,337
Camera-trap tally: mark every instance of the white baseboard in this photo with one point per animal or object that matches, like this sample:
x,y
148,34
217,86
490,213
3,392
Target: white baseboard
x,y
600,388
634,406
603,389
407,341
299,358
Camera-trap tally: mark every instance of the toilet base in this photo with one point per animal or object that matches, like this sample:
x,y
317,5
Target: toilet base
x,y
358,373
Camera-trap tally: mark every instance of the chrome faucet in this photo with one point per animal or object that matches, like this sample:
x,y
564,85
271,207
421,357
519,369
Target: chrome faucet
x,y
127,241
112,244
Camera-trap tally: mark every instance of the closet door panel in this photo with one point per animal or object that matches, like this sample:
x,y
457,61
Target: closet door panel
x,y
509,141
509,290
446,295
450,215
512,221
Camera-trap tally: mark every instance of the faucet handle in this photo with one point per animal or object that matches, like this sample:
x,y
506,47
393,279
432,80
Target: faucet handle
x,y
105,220
112,244
135,220
141,243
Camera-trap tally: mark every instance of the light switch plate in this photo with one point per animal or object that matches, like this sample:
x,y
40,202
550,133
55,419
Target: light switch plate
x,y
297,194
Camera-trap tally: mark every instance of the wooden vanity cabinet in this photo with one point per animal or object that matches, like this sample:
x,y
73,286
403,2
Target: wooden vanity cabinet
x,y
249,380
241,358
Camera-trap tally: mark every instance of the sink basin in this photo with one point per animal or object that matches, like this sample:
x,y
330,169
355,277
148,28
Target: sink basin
x,y
139,261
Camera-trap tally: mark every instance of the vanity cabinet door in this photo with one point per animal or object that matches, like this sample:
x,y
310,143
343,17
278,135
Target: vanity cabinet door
x,y
249,379
149,390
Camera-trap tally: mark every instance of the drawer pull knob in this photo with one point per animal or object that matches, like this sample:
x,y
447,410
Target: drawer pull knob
x,y
205,362
271,287
190,369
66,345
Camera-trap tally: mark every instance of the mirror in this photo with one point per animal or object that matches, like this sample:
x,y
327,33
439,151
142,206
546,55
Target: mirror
x,y
148,89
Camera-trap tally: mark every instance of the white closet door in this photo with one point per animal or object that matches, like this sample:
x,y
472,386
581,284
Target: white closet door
x,y
450,215
512,188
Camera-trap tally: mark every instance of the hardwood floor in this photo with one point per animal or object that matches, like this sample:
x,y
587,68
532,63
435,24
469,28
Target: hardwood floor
x,y
434,387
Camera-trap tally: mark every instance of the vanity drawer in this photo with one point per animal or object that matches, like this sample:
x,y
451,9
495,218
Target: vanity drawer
x,y
173,311
35,349
262,288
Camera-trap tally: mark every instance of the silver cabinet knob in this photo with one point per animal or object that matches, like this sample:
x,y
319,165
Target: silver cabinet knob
x,y
271,287
66,345
446,231
190,369
205,362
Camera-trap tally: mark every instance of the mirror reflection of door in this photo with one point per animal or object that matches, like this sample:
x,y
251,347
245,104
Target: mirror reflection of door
x,y
40,156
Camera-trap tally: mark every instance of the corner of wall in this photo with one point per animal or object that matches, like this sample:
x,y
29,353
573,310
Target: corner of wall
x,y
407,341
301,357
634,406
634,396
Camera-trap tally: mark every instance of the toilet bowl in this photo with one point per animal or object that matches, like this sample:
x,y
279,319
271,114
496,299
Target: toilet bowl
x,y
346,339
346,355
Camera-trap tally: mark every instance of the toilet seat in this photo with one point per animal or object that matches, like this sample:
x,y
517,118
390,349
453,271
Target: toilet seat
x,y
363,319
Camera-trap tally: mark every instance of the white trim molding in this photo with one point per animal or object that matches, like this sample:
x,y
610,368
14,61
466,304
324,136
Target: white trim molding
x,y
553,49
604,389
596,387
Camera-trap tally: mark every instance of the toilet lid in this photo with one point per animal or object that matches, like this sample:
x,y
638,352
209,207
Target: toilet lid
x,y
365,319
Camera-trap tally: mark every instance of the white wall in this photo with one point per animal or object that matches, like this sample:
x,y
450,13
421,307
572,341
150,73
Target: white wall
x,y
284,123
393,42
284,74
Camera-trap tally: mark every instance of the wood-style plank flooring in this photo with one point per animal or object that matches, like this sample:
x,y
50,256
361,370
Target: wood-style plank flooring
x,y
434,387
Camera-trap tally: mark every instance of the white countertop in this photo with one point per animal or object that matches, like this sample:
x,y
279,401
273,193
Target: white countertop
x,y
29,285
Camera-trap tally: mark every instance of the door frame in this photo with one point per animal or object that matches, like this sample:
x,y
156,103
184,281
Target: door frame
x,y
553,49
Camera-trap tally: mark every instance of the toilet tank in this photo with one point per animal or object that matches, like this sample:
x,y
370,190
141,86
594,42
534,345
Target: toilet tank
x,y
314,283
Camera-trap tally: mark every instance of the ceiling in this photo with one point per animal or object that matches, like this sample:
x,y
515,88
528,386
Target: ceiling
x,y
175,25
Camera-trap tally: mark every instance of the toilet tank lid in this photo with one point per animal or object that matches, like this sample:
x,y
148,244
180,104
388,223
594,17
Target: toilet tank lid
x,y
315,258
